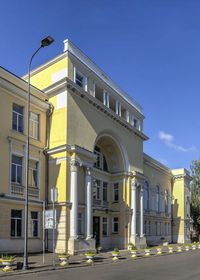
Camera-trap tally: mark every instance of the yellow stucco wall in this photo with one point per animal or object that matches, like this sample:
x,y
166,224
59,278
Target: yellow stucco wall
x,y
44,78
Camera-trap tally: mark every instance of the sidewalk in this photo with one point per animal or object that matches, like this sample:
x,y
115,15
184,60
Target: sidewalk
x,y
36,261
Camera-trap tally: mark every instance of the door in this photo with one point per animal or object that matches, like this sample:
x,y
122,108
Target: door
x,y
96,230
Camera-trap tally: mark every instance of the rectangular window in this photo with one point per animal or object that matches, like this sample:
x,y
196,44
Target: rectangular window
x,y
105,191
18,118
115,225
105,226
16,223
34,224
96,189
116,192
34,125
16,169
80,79
97,152
80,224
33,174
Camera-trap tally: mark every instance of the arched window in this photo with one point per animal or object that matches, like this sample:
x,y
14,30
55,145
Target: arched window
x,y
146,195
158,199
101,162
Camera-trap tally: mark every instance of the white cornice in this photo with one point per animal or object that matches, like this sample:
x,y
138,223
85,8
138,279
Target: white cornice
x,y
45,65
17,91
99,105
156,164
73,149
71,48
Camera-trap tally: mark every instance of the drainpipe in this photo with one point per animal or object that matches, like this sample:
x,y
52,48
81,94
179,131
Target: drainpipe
x,y
48,118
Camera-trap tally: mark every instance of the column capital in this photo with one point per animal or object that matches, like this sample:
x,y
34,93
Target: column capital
x,y
88,170
74,165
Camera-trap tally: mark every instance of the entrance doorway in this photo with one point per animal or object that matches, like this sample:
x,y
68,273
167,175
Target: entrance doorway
x,y
96,230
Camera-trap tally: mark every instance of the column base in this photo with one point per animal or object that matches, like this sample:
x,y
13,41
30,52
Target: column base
x,y
76,246
139,242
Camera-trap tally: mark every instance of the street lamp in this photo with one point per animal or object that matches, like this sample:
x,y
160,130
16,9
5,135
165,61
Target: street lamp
x,y
44,43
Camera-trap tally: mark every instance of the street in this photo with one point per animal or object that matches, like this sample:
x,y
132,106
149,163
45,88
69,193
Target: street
x,y
169,267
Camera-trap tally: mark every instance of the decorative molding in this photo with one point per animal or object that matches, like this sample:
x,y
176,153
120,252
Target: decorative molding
x,y
78,54
101,107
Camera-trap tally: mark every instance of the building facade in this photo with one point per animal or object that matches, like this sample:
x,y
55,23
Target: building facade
x,y
89,145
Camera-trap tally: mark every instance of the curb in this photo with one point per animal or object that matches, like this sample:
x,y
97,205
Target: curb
x,y
108,261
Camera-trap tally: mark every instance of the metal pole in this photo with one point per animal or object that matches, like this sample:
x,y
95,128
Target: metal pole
x,y
43,232
25,263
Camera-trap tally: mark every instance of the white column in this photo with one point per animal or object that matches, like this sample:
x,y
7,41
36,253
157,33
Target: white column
x,y
141,212
133,208
88,184
104,97
74,200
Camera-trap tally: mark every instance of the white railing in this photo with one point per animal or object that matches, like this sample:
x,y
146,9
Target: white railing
x,y
19,190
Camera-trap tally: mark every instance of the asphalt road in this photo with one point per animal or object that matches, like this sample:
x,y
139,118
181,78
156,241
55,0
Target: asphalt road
x,y
170,267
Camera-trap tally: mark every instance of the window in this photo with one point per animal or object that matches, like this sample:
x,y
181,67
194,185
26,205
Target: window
x,y
101,162
16,170
33,173
105,226
115,225
105,191
18,118
146,196
16,223
96,189
80,79
116,192
80,224
166,201
34,224
34,125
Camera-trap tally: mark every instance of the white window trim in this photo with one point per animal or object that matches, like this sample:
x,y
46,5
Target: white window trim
x,y
114,192
38,228
37,123
18,114
85,79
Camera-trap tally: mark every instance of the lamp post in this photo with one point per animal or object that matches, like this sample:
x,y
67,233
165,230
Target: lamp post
x,y
44,43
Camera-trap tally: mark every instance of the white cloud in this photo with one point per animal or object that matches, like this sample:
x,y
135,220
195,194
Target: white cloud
x,y
168,139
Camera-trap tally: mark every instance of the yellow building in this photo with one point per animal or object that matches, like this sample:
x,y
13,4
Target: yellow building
x,y
13,135
109,192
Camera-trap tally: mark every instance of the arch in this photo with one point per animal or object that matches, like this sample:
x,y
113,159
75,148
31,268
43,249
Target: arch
x,y
107,138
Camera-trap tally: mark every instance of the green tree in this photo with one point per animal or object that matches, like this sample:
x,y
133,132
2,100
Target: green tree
x,y
195,193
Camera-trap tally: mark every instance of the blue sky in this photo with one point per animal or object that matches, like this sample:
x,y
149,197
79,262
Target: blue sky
x,y
151,48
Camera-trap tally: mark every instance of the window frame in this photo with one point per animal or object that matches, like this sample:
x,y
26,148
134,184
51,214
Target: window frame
x,y
115,223
37,123
104,223
15,219
33,220
16,170
116,184
14,112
